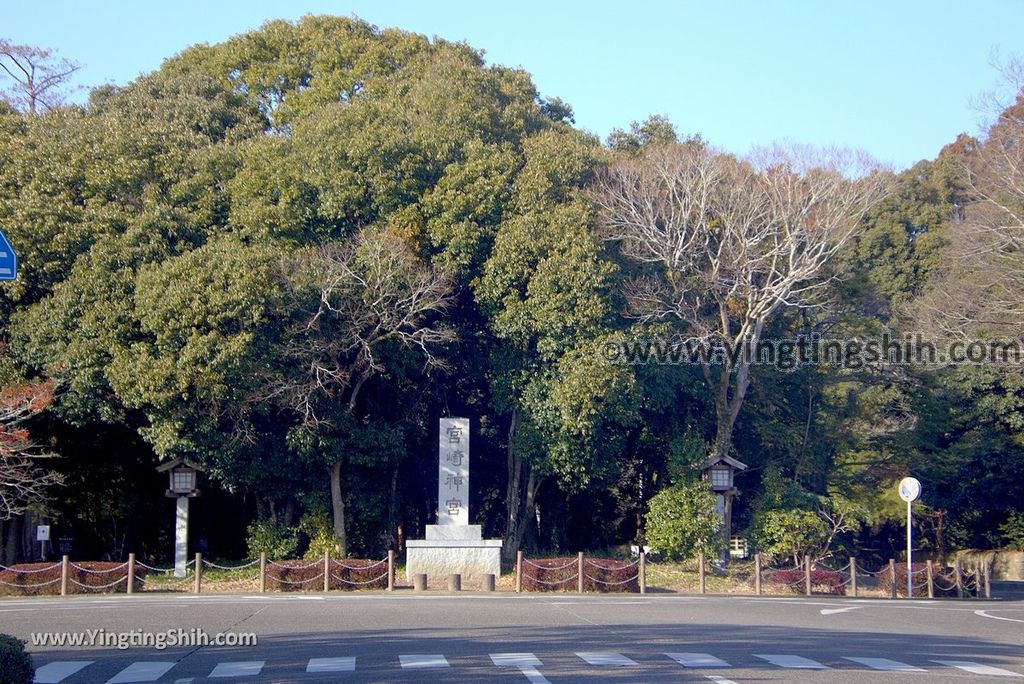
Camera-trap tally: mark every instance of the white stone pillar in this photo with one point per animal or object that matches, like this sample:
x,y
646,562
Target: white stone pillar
x,y
181,537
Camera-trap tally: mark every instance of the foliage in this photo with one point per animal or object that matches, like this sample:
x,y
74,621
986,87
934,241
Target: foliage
x,y
85,577
1012,531
822,581
15,663
24,479
316,524
791,534
682,521
272,538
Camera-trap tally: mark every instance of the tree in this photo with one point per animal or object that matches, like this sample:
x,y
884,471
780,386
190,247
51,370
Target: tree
x,y
977,295
682,521
24,481
40,79
724,243
357,306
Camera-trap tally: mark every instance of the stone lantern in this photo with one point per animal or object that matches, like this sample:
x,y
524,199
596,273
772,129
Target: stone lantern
x,y
182,486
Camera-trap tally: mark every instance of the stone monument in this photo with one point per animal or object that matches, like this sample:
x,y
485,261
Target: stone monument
x,y
453,545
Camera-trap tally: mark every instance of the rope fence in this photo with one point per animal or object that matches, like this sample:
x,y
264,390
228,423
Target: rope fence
x,y
566,574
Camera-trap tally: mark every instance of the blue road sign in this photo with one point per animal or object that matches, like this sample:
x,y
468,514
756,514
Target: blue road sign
x,y
8,259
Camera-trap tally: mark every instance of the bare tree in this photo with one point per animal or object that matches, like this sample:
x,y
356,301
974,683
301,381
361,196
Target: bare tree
x,y
40,79
360,299
23,479
727,242
978,292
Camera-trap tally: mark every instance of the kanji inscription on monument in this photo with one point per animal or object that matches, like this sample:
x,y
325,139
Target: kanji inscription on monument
x,y
453,472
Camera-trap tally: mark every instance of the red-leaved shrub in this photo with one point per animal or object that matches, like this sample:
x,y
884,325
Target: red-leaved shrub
x,y
562,574
308,575
822,581
86,577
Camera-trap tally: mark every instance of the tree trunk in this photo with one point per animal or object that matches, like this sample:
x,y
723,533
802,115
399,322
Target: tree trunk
x,y
338,510
513,494
393,523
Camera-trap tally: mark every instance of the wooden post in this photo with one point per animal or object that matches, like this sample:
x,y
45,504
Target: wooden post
x,y
519,571
807,575
853,576
958,578
65,562
988,579
757,574
263,572
892,577
643,572
701,575
131,574
327,571
579,570
198,582
391,570
931,578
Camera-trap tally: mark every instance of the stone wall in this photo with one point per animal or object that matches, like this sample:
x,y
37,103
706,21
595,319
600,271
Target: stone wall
x,y
1006,565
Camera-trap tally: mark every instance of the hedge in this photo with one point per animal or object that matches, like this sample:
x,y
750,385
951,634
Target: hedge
x,y
43,579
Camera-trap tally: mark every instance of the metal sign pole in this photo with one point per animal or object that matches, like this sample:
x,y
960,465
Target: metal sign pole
x,y
910,564
909,489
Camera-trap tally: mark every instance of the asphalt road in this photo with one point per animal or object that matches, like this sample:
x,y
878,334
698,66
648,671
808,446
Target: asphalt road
x,y
532,638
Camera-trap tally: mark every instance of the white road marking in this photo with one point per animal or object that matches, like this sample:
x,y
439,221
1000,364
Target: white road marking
x,y
720,680
977,668
331,664
793,662
833,611
605,659
515,660
884,664
306,598
142,671
242,668
421,661
701,660
52,673
983,613
527,663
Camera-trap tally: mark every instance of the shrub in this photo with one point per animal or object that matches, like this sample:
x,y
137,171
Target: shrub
x,y
307,574
789,533
272,538
1012,531
15,664
920,579
550,574
318,527
822,581
38,579
681,522
356,573
561,574
295,575
607,575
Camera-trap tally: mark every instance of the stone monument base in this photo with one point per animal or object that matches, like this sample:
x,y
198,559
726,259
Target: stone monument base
x,y
450,549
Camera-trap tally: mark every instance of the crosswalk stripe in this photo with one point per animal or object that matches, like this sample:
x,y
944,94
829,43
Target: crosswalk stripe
x,y
719,680
421,661
884,664
697,660
242,668
142,671
320,665
53,673
515,660
978,668
605,659
792,662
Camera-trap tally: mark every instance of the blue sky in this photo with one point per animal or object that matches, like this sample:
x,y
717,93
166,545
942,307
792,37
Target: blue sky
x,y
894,78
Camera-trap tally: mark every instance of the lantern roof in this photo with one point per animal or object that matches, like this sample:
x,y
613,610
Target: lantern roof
x,y
174,463
715,460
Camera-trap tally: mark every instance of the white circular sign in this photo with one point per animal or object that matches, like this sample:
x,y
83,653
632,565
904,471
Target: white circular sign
x,y
910,489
